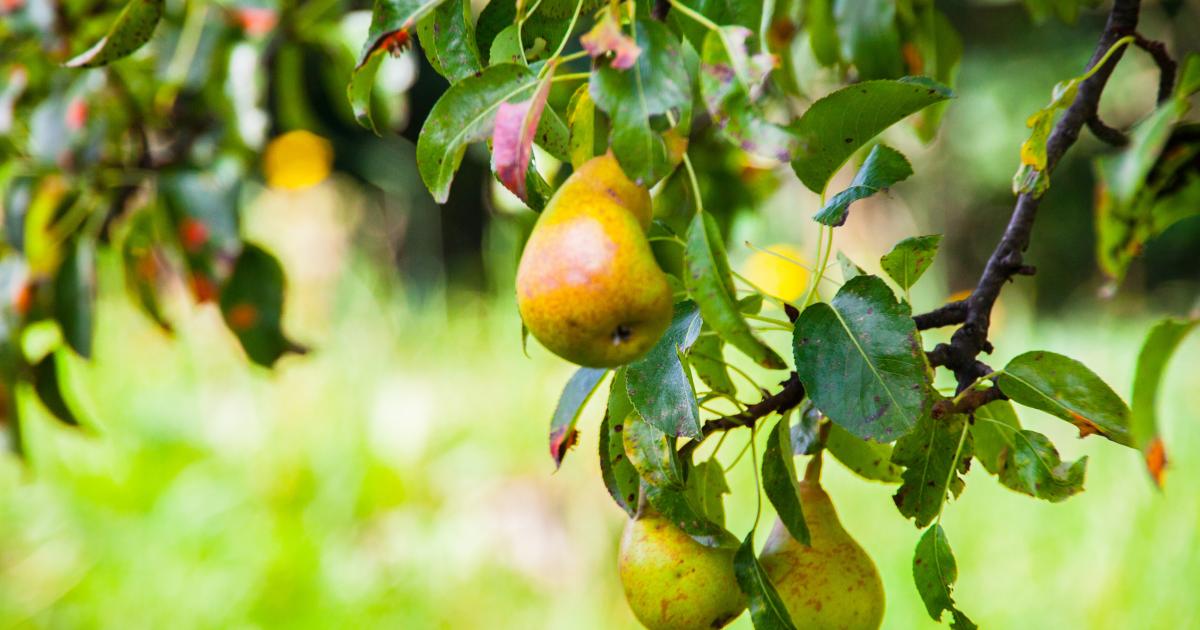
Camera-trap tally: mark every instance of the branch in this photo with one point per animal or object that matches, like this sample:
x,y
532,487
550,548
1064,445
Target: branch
x,y
789,395
1166,65
1007,259
968,403
1104,133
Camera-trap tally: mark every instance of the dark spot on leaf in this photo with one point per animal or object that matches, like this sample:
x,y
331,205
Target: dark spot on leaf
x,y
849,140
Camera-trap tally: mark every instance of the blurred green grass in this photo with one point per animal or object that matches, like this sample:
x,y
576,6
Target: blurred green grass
x,y
399,477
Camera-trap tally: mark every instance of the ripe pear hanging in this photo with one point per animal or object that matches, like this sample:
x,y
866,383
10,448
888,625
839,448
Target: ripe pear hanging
x,y
588,286
673,582
832,585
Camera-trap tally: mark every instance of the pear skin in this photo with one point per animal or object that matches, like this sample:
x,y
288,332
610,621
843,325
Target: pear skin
x,y
588,286
673,582
832,585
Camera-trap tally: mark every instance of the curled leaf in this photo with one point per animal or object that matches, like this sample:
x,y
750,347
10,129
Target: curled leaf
x,y
512,138
133,27
574,396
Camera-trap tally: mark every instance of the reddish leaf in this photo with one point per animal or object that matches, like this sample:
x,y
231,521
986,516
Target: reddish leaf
x,y
513,134
607,37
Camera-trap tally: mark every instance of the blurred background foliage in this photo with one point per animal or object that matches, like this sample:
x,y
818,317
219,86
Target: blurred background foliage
x,y
397,476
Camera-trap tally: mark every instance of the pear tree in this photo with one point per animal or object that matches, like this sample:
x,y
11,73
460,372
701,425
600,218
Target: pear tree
x,y
118,136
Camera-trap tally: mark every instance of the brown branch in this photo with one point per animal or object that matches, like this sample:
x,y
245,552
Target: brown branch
x,y
1106,134
944,315
1166,65
1007,259
790,394
969,402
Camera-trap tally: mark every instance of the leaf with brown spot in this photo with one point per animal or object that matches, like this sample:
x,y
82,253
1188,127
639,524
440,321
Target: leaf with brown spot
x,y
133,27
931,469
575,395
1158,348
1064,387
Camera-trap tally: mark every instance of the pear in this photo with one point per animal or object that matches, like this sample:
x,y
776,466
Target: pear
x,y
831,585
673,582
588,286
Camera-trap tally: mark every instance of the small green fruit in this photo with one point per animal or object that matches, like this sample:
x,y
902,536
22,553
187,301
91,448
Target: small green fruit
x,y
673,582
832,585
588,286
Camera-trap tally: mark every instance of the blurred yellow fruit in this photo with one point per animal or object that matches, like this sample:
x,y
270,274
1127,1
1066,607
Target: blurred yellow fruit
x,y
297,160
776,276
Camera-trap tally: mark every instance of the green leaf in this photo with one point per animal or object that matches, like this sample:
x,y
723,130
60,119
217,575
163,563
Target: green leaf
x,y
708,357
252,304
935,572
1031,176
133,27
869,39
941,52
869,460
1157,350
839,124
806,434
144,266
48,387
657,84
766,608
993,429
652,453
909,259
729,82
1032,466
448,38
589,128
779,480
745,14
707,283
677,506
392,23
861,361
574,396
465,113
1064,387
659,384
75,296
706,486
883,167
621,479
931,469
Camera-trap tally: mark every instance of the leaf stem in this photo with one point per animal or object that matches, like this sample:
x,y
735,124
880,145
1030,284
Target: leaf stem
x,y
1128,39
567,36
757,483
962,438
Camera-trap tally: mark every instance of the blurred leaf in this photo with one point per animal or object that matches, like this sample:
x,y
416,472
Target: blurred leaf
x,y
676,505
41,244
1157,350
992,432
448,38
909,259
935,572
659,384
849,269
652,453
868,36
143,265
779,480
607,39
654,86
465,113
49,389
252,304
707,266
730,82
931,467
745,14
708,357
1064,387
392,22
861,361
823,33
512,138
806,433
839,124
706,486
941,52
75,296
133,27
767,611
574,396
1032,466
620,477
869,460
501,15
883,167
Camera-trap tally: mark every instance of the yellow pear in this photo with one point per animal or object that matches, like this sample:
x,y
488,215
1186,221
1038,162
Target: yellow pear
x,y
673,582
588,286
831,585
